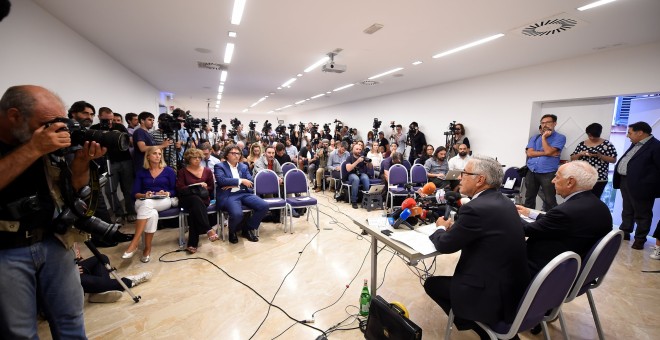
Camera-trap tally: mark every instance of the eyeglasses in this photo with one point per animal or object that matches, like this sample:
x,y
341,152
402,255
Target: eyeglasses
x,y
234,153
465,173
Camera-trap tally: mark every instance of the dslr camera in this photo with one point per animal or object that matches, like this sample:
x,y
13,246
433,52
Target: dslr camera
x,y
113,140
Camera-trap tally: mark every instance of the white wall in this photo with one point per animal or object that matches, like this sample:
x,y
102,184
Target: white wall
x,y
38,49
497,109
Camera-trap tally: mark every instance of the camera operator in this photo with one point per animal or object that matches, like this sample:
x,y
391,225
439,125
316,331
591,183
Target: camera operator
x,y
357,168
121,167
165,131
416,140
37,269
336,158
399,138
207,134
241,136
317,164
222,134
187,138
458,139
142,139
382,141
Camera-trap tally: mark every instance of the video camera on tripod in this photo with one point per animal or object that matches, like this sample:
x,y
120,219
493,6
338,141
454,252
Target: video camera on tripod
x,y
376,126
215,121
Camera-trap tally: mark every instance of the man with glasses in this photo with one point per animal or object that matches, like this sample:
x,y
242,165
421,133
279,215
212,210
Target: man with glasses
x,y
233,191
492,274
543,152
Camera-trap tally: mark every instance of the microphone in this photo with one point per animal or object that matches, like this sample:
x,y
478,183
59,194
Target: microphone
x,y
402,219
452,198
429,188
408,203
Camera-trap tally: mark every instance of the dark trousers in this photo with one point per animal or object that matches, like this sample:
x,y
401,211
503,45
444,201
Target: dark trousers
x,y
122,174
234,206
598,188
535,180
198,219
95,278
439,288
635,210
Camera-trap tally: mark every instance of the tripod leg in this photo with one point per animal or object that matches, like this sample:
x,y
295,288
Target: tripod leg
x,y
112,271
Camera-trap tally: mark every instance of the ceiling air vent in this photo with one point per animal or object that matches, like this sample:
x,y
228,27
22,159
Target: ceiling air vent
x,y
211,66
550,26
369,82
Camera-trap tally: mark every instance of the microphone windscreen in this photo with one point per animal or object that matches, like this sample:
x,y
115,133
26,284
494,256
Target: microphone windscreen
x,y
463,201
408,203
416,211
405,214
429,188
452,196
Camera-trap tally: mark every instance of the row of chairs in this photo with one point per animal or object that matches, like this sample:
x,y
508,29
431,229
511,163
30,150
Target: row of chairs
x,y
559,282
266,183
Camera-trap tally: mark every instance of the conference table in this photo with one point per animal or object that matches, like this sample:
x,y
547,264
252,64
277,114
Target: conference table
x,y
410,254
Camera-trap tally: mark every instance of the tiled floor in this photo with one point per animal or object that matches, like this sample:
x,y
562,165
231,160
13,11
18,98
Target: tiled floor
x,y
191,298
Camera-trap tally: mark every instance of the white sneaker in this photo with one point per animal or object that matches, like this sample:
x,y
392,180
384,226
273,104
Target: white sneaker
x,y
656,253
139,278
105,297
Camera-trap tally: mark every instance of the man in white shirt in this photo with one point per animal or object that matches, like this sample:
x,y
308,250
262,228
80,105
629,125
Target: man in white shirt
x,y
458,162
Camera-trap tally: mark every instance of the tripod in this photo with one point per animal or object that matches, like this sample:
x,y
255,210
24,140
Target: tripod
x,y
111,270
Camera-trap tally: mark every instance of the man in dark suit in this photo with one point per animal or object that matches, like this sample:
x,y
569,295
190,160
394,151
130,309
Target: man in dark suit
x,y
575,225
234,190
491,275
637,174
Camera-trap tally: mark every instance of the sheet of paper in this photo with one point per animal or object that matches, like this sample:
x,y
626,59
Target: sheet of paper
x,y
380,221
510,182
415,240
272,199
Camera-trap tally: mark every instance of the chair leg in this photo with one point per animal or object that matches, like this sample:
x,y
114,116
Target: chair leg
x,y
544,326
182,232
594,312
562,324
318,222
450,323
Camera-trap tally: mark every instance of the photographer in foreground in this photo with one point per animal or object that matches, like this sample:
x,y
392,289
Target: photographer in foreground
x,y
36,268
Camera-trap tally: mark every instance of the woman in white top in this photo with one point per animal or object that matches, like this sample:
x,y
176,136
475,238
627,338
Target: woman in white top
x,y
375,156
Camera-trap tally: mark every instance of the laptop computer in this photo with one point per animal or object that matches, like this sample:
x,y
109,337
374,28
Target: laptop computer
x,y
376,189
453,175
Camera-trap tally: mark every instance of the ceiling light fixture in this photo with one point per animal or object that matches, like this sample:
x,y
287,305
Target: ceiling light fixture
x,y
288,82
231,34
229,52
318,95
237,13
386,73
245,110
301,101
223,76
219,96
416,62
342,87
472,44
221,88
317,64
594,4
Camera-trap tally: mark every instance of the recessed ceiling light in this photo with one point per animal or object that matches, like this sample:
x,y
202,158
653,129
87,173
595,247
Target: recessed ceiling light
x,y
472,44
217,106
245,110
237,13
317,64
416,62
386,73
342,87
223,76
279,88
288,106
288,82
594,4
299,75
318,95
231,34
300,101
271,111
229,52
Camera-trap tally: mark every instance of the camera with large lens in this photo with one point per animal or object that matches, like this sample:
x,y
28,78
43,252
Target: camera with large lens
x,y
168,125
252,124
267,127
377,124
192,123
113,140
74,215
235,123
281,129
367,160
215,121
451,130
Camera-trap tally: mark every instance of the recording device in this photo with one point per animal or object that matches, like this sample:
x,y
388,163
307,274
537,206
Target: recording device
x,y
168,125
453,201
113,140
215,121
451,129
402,219
74,214
253,124
367,160
267,126
235,123
105,124
392,124
376,125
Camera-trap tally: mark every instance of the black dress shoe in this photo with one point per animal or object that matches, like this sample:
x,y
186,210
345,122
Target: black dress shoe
x,y
626,236
638,244
355,206
250,235
233,238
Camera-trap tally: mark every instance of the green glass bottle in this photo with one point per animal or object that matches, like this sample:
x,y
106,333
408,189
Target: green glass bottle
x,y
365,300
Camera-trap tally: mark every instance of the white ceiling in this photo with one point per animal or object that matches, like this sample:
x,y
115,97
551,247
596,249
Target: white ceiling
x,y
277,39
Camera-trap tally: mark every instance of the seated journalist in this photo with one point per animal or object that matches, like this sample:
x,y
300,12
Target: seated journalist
x,y
491,275
234,190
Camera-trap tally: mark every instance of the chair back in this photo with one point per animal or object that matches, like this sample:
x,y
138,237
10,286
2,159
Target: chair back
x,y
546,291
406,163
418,161
512,172
266,182
597,264
287,166
418,174
343,172
398,175
295,182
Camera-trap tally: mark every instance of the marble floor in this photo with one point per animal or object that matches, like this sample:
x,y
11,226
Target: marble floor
x,y
220,292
